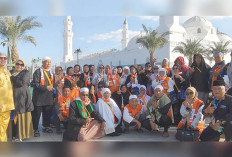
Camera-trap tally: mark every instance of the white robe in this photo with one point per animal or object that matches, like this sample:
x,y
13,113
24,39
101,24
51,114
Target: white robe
x,y
107,115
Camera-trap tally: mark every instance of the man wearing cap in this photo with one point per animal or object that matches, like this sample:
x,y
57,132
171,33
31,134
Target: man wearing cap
x,y
219,108
84,123
6,98
42,96
132,114
217,69
159,111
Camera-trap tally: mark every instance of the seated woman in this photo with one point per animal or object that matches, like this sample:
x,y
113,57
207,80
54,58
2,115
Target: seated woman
x,y
132,114
84,122
191,111
143,98
110,112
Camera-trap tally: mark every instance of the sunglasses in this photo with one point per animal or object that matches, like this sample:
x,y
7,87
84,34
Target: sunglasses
x,y
100,87
85,94
189,93
101,67
148,66
18,64
3,58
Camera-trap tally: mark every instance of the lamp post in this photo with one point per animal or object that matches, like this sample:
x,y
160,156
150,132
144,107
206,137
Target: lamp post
x,y
77,52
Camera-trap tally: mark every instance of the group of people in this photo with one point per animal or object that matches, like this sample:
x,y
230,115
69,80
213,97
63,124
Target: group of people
x,y
109,101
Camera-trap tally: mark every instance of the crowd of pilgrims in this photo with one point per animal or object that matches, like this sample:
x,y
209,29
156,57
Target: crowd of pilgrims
x,y
109,101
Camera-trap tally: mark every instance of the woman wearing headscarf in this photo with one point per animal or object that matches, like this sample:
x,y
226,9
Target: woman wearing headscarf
x,y
199,76
110,112
191,111
165,64
143,98
100,76
177,84
21,126
180,61
126,72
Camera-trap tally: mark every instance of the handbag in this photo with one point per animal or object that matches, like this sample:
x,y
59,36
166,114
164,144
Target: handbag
x,y
187,134
181,93
173,97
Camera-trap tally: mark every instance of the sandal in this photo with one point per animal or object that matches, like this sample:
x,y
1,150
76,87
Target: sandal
x,y
47,130
36,133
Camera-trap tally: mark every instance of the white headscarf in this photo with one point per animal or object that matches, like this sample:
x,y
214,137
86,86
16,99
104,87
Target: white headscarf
x,y
105,90
162,69
142,86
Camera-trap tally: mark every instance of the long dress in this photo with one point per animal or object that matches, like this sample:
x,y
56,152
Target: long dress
x,y
6,102
109,112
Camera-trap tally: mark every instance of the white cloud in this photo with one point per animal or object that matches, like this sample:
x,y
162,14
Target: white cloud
x,y
154,18
114,36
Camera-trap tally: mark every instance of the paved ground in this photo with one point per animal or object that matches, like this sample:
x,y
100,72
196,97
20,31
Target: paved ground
x,y
133,136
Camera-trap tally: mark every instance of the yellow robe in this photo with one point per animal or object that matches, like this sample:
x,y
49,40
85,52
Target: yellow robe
x,y
6,102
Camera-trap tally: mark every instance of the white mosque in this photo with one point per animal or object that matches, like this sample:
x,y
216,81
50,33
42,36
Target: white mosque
x,y
133,53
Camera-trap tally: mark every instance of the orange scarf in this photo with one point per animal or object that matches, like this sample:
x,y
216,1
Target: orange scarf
x,y
134,111
167,68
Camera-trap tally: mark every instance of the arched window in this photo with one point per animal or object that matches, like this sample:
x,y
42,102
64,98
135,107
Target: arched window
x,y
198,30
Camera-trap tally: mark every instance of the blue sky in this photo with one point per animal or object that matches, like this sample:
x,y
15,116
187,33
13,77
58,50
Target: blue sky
x,y
92,34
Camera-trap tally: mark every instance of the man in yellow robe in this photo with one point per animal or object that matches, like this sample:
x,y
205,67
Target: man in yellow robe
x,y
6,98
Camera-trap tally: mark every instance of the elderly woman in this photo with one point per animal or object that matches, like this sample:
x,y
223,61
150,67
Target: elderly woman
x,y
143,98
191,111
84,122
165,64
110,112
21,127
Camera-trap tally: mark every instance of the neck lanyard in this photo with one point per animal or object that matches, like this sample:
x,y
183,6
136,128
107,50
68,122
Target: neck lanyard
x,y
216,105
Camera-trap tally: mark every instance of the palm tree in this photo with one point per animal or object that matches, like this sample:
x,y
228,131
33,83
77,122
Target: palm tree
x,y
217,47
14,30
152,41
189,48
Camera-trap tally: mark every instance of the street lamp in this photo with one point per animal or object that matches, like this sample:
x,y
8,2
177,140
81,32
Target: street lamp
x,y
77,52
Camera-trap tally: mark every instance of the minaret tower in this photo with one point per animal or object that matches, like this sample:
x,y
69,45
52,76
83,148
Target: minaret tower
x,y
68,37
125,37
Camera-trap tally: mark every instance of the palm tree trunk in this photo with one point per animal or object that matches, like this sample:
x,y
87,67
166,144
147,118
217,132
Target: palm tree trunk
x,y
190,60
151,59
14,54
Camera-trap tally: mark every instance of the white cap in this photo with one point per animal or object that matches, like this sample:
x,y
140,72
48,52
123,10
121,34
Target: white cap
x,y
2,54
162,69
166,59
84,89
46,58
132,97
105,90
160,87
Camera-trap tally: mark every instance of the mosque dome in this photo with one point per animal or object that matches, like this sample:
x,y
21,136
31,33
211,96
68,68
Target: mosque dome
x,y
198,27
223,37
